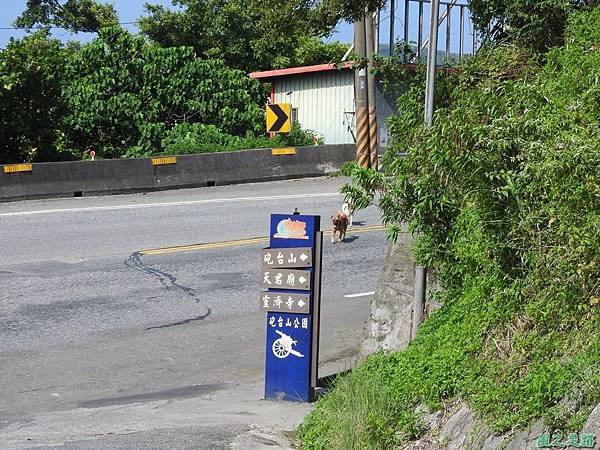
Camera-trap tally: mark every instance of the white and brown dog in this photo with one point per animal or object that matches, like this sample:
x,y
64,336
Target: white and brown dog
x,y
339,222
348,209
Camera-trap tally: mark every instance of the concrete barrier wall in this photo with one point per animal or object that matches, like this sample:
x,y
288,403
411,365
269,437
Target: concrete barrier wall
x,y
80,178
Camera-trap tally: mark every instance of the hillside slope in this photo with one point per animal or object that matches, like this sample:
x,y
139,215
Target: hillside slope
x,y
504,194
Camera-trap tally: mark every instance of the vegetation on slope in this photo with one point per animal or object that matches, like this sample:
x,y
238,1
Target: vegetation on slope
x,y
504,195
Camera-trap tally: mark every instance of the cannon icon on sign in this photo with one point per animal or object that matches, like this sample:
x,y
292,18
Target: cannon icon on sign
x,y
282,347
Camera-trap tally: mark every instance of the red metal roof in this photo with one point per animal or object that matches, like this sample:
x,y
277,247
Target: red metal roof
x,y
298,70
324,68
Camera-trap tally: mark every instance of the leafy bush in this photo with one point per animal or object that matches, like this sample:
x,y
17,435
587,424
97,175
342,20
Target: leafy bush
x,y
503,194
198,138
124,92
31,75
125,97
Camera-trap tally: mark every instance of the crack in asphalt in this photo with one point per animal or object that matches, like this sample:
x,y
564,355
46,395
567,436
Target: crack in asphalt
x,y
181,322
169,282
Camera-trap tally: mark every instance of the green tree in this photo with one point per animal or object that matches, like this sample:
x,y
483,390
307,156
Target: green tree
x,y
535,24
31,74
312,50
122,91
251,34
73,15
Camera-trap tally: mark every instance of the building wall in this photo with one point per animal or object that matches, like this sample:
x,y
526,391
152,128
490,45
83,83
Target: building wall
x,y
324,102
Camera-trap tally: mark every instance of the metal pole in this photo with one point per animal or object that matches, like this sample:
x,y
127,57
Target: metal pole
x,y
419,299
316,310
392,20
462,33
371,94
420,35
448,24
420,271
406,19
377,30
431,61
360,98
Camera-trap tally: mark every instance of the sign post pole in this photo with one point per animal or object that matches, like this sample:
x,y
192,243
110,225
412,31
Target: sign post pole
x,y
291,275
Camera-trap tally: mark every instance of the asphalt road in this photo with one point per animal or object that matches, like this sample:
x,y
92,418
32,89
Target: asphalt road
x,y
90,318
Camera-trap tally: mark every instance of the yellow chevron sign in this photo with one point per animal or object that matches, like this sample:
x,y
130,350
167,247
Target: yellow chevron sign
x,y
279,118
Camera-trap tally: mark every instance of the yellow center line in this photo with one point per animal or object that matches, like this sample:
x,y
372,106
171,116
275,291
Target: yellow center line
x,y
233,243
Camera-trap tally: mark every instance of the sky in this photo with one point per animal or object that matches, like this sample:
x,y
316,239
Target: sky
x,y
131,10
128,10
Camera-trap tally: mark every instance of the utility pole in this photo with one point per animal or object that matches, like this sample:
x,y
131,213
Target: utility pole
x,y
371,89
360,98
421,271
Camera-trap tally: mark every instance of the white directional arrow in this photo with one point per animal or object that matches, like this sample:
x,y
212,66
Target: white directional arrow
x,y
302,279
303,257
301,303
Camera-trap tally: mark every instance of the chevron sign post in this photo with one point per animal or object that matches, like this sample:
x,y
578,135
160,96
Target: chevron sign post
x,y
279,118
291,282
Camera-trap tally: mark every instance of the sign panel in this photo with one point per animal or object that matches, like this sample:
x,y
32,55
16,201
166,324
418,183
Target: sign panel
x,y
288,361
289,230
286,279
279,117
285,302
292,328
287,257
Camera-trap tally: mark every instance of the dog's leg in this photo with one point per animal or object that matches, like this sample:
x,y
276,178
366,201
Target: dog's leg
x,y
333,235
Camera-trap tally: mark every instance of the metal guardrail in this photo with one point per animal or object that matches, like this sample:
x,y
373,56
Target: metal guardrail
x,y
455,19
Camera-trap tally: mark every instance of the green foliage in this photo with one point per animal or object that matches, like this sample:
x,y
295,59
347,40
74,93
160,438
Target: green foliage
x,y
123,96
198,138
360,413
123,92
73,15
503,194
537,25
349,10
310,51
255,35
31,75
249,35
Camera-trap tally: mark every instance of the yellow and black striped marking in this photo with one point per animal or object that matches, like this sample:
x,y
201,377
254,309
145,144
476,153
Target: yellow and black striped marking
x,y
373,138
164,160
12,168
283,151
362,138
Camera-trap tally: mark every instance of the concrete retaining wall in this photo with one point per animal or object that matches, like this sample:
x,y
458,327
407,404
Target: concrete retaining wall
x,y
68,179
390,323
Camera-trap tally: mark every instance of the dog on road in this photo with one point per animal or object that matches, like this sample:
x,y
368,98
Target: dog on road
x,y
348,209
339,223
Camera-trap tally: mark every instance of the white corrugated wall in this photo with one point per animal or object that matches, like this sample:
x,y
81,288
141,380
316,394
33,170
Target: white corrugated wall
x,y
324,101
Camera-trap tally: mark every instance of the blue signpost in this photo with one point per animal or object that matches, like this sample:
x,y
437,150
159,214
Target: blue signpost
x,y
291,275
